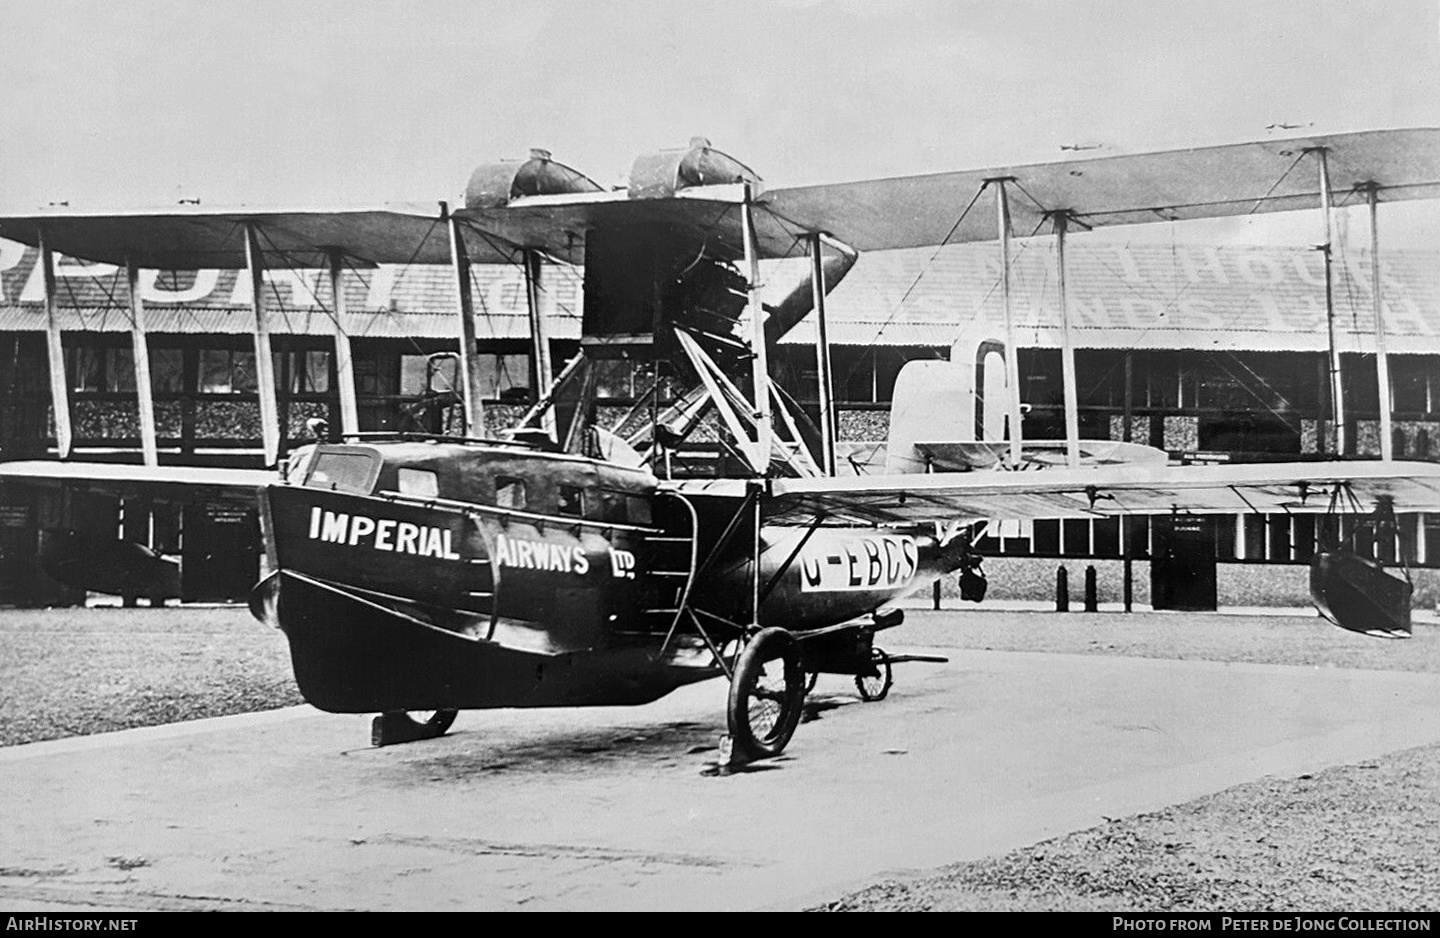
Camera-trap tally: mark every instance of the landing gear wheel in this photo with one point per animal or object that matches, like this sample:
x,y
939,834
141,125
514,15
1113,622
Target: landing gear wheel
x,y
407,726
766,695
873,687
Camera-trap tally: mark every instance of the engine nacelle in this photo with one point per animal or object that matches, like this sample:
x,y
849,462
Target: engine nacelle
x,y
661,175
494,185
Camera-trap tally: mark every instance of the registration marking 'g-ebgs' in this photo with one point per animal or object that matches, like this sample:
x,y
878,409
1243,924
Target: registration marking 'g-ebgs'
x,y
882,561
401,537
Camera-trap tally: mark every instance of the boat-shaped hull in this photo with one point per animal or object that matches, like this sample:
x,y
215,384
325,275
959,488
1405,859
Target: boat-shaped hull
x,y
352,654
375,629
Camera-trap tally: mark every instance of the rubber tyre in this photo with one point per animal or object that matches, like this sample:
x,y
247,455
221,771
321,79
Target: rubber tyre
x,y
876,687
766,695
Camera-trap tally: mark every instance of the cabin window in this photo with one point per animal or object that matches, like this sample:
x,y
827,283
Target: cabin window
x,y
612,507
509,493
349,472
419,482
572,500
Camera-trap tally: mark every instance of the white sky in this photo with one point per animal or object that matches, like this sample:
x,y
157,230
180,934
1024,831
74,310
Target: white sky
x,y
344,103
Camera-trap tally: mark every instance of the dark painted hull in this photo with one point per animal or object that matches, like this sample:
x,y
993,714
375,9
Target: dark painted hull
x,y
352,655
390,605
393,604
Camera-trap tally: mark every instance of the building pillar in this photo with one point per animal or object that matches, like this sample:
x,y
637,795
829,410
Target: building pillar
x,y
264,361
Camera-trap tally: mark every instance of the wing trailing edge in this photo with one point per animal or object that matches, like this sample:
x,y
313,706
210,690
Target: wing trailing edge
x,y
1105,491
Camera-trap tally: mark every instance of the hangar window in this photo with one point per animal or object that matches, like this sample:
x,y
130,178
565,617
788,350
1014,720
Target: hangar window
x,y
227,371
502,376
111,369
96,369
307,372
505,377
372,379
1417,383
167,370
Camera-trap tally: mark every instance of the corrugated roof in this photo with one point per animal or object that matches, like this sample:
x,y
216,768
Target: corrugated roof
x,y
1120,295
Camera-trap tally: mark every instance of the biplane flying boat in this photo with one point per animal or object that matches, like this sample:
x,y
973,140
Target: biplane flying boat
x,y
580,561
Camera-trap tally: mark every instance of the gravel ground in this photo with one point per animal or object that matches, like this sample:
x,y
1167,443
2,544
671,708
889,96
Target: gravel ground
x,y
1351,838
1355,838
72,672
1361,837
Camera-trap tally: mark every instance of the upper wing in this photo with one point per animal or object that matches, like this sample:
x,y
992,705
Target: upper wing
x,y
174,483
193,238
1176,185
1102,491
907,211
914,211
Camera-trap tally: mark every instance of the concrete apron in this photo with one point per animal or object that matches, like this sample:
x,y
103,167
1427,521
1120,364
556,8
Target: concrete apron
x,y
612,808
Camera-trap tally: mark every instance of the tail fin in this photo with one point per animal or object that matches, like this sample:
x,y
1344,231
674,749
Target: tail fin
x,y
959,401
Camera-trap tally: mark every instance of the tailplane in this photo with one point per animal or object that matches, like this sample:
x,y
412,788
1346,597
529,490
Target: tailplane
x,y
950,416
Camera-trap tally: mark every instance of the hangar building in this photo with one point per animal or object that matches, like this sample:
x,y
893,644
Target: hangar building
x,y
1205,351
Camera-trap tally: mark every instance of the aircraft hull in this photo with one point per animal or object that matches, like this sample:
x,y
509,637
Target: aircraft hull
x,y
351,654
394,604
390,605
